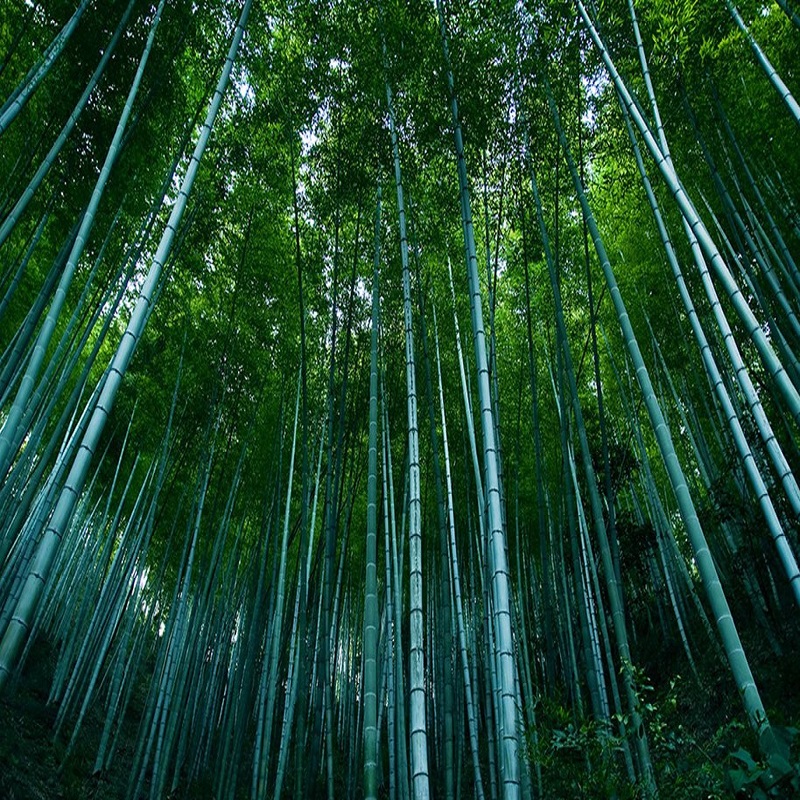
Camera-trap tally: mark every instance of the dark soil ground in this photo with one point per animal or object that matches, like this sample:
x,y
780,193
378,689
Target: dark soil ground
x,y
32,766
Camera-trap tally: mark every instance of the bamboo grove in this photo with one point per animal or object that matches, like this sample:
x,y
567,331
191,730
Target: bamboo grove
x,y
402,399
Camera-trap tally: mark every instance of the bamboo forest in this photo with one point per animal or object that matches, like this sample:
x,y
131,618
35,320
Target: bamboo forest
x,y
399,399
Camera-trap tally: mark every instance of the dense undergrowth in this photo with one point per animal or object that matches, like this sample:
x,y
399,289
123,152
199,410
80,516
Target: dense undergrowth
x,y
700,745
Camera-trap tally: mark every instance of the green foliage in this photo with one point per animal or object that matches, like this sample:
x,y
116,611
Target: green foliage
x,y
578,759
760,778
585,757
674,22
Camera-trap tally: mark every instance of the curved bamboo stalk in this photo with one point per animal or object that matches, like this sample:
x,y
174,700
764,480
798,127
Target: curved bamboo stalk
x,y
18,627
13,216
772,75
39,71
12,433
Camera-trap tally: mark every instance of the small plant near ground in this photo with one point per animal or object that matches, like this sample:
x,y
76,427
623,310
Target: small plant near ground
x,y
587,758
761,778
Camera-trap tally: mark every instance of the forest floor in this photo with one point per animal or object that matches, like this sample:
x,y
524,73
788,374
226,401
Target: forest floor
x,y
32,766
